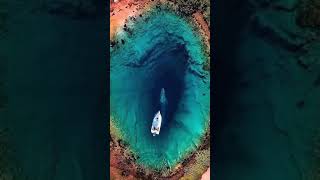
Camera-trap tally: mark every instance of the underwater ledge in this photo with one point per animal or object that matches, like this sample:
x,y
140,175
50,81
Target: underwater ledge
x,y
163,51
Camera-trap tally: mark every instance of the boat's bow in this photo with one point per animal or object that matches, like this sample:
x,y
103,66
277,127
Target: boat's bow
x,y
156,124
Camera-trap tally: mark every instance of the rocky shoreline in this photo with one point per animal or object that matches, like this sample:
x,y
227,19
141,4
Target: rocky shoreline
x,y
122,161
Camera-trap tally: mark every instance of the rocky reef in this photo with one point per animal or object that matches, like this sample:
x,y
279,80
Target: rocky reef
x,y
155,19
123,162
164,52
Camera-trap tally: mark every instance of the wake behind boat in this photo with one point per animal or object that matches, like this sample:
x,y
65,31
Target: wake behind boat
x,y
157,120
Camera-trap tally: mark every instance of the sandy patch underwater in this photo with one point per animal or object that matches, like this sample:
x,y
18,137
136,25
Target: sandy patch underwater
x,y
163,51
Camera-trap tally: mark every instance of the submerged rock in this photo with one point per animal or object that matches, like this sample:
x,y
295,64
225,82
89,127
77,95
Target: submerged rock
x,y
163,53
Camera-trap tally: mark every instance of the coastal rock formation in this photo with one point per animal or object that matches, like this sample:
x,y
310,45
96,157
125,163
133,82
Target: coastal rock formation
x,y
157,41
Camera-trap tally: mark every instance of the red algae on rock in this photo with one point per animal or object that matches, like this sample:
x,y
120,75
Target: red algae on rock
x,y
122,10
122,162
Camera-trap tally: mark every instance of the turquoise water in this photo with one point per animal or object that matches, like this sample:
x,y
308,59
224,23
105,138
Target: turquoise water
x,y
163,52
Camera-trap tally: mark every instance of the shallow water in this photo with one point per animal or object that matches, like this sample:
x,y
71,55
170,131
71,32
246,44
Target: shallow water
x,y
163,52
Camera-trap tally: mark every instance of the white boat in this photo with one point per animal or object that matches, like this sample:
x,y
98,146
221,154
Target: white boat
x,y
157,120
156,124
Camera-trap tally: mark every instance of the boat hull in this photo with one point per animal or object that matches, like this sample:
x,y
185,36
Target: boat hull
x,y
156,124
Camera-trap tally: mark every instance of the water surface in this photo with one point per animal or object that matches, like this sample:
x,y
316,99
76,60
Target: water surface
x,y
164,52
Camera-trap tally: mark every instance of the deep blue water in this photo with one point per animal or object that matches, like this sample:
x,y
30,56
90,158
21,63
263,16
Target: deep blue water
x,y
164,52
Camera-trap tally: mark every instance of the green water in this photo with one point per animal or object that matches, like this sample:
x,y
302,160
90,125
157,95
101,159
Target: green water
x,y
54,78
163,51
268,104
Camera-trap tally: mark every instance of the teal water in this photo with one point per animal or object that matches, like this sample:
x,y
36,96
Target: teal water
x,y
163,52
52,77
267,103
